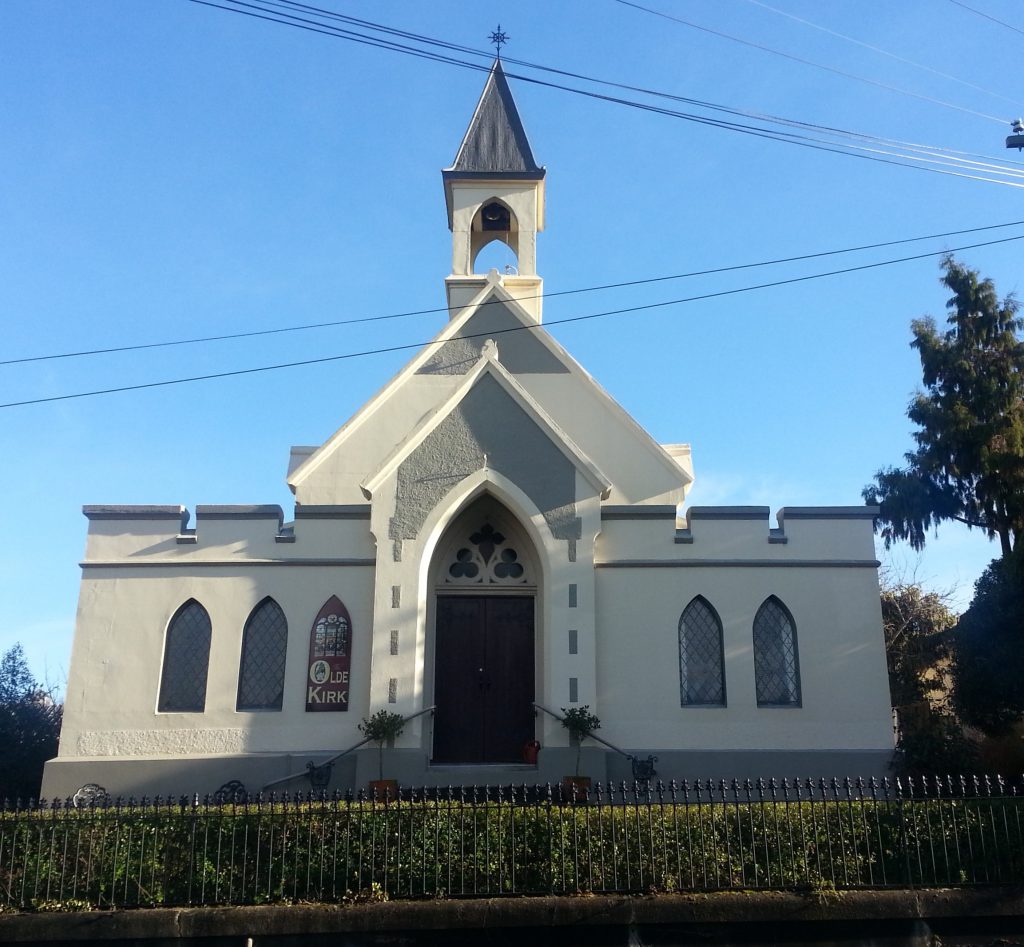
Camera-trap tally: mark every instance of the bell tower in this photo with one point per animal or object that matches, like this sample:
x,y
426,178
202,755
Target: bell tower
x,y
494,190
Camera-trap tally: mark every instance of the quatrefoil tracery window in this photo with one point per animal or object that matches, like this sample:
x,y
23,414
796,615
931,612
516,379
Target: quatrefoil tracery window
x,y
486,559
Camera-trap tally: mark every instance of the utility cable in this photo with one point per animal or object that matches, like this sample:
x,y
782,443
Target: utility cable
x,y
488,55
979,173
988,17
880,51
815,143
564,292
808,62
493,332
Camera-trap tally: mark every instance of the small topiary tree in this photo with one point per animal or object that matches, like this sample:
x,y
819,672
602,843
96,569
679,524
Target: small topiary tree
x,y
580,723
382,727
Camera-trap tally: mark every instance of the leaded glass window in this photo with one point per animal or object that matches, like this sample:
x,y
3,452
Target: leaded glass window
x,y
776,664
701,667
264,644
186,660
331,636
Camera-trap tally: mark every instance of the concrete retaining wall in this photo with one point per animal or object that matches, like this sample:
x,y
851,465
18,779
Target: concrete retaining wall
x,y
946,916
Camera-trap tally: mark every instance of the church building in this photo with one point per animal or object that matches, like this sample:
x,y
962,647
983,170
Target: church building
x,y
489,540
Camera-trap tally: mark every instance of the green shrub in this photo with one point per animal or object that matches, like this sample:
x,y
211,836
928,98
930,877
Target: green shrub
x,y
348,851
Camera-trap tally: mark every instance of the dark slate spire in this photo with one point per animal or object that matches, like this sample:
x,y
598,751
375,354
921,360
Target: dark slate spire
x,y
495,142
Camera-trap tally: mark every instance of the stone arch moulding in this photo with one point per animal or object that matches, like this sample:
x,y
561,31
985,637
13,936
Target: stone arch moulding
x,y
460,498
520,507
515,515
485,551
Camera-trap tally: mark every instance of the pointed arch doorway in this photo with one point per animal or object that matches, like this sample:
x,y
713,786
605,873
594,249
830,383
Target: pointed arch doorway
x,y
484,639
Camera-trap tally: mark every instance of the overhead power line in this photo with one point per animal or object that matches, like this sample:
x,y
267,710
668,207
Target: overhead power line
x,y
924,159
564,292
493,332
880,51
488,55
808,62
987,16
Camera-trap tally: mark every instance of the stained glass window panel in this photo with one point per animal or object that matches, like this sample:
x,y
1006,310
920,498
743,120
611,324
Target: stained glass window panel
x,y
701,671
264,645
330,636
186,661
776,664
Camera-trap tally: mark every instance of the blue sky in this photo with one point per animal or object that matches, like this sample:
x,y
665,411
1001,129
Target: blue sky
x,y
170,170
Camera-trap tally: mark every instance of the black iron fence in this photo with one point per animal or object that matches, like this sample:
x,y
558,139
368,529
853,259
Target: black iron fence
x,y
512,840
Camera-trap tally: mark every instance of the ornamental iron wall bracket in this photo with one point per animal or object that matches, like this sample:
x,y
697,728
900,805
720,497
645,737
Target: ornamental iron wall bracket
x,y
232,791
319,776
643,770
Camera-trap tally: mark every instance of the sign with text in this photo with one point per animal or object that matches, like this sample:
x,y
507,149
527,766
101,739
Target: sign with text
x,y
330,658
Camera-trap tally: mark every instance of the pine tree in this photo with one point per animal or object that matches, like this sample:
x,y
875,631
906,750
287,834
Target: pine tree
x,y
969,463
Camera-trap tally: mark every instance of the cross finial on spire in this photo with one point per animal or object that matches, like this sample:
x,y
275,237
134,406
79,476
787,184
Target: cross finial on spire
x,y
499,39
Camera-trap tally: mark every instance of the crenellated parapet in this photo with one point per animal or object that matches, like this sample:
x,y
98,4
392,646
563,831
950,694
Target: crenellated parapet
x,y
832,535
818,531
119,531
243,533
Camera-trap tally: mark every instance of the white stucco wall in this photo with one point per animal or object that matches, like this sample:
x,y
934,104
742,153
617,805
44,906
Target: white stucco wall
x,y
136,578
825,574
845,699
632,576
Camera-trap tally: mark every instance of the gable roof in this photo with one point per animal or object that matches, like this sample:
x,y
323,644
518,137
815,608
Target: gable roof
x,y
495,142
522,350
456,328
489,367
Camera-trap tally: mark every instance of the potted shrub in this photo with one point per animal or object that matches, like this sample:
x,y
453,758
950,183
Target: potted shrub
x,y
580,723
383,727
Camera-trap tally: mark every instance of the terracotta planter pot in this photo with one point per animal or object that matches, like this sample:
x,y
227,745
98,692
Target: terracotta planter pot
x,y
575,788
383,790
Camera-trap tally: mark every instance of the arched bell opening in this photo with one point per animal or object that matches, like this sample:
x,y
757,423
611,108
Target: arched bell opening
x,y
496,255
484,643
494,227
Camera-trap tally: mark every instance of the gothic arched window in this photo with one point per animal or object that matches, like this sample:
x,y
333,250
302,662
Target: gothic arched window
x,y
776,665
261,672
701,665
186,660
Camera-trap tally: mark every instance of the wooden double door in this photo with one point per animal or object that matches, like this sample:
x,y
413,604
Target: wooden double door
x,y
483,678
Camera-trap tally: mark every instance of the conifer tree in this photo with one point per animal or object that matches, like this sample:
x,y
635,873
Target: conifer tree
x,y
989,678
969,463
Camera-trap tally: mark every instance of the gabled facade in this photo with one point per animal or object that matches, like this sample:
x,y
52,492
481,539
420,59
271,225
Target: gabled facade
x,y
489,538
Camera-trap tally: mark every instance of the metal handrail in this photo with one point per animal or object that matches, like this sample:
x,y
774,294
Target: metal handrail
x,y
642,769
355,746
593,736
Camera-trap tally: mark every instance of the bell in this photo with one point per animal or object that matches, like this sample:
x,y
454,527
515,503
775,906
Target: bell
x,y
495,217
